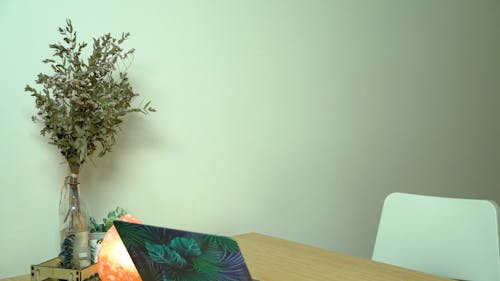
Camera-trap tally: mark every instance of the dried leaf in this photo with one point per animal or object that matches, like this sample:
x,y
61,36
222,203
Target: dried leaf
x,y
82,103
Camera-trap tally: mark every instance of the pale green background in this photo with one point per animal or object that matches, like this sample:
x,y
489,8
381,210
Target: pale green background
x,y
291,118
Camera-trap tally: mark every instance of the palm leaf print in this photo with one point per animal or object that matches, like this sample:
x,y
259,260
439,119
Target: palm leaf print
x,y
162,254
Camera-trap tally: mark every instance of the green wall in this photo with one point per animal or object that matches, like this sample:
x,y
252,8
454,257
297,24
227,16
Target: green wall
x,y
291,118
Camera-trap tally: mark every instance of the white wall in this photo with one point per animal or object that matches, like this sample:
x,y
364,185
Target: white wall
x,y
291,118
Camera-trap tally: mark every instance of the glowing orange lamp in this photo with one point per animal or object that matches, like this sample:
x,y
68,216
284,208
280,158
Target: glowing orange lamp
x,y
114,262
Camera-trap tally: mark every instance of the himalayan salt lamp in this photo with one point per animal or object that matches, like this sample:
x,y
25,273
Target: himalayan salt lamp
x,y
114,262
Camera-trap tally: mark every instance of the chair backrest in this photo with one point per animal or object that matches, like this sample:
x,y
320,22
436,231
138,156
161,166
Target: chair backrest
x,y
454,238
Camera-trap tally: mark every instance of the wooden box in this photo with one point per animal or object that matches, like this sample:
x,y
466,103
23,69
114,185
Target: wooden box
x,y
50,271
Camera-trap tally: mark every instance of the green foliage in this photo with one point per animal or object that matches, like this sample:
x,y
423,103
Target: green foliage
x,y
177,254
181,256
186,247
107,222
226,243
82,103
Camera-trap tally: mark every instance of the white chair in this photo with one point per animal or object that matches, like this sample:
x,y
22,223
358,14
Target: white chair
x,y
453,238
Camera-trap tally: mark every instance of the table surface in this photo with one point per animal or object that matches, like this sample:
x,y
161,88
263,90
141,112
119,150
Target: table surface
x,y
273,259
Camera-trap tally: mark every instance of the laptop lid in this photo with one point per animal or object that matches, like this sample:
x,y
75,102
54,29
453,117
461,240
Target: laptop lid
x,y
164,254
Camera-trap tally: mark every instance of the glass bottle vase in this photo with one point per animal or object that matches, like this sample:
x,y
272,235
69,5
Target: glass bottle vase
x,y
74,230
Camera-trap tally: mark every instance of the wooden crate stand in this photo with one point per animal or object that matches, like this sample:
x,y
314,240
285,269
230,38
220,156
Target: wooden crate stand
x,y
50,271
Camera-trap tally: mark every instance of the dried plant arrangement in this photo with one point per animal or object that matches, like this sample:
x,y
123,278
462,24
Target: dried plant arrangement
x,y
81,104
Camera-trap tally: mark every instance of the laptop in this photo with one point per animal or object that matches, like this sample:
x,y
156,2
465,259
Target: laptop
x,y
164,254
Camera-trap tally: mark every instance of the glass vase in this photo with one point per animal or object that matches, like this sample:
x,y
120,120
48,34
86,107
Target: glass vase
x,y
74,230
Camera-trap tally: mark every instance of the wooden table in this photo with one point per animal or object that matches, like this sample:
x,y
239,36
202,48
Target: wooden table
x,y
274,259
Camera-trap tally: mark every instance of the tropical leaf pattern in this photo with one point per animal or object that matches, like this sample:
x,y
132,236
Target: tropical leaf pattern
x,y
162,254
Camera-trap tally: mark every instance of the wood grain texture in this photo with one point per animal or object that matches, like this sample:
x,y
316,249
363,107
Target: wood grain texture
x,y
274,259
